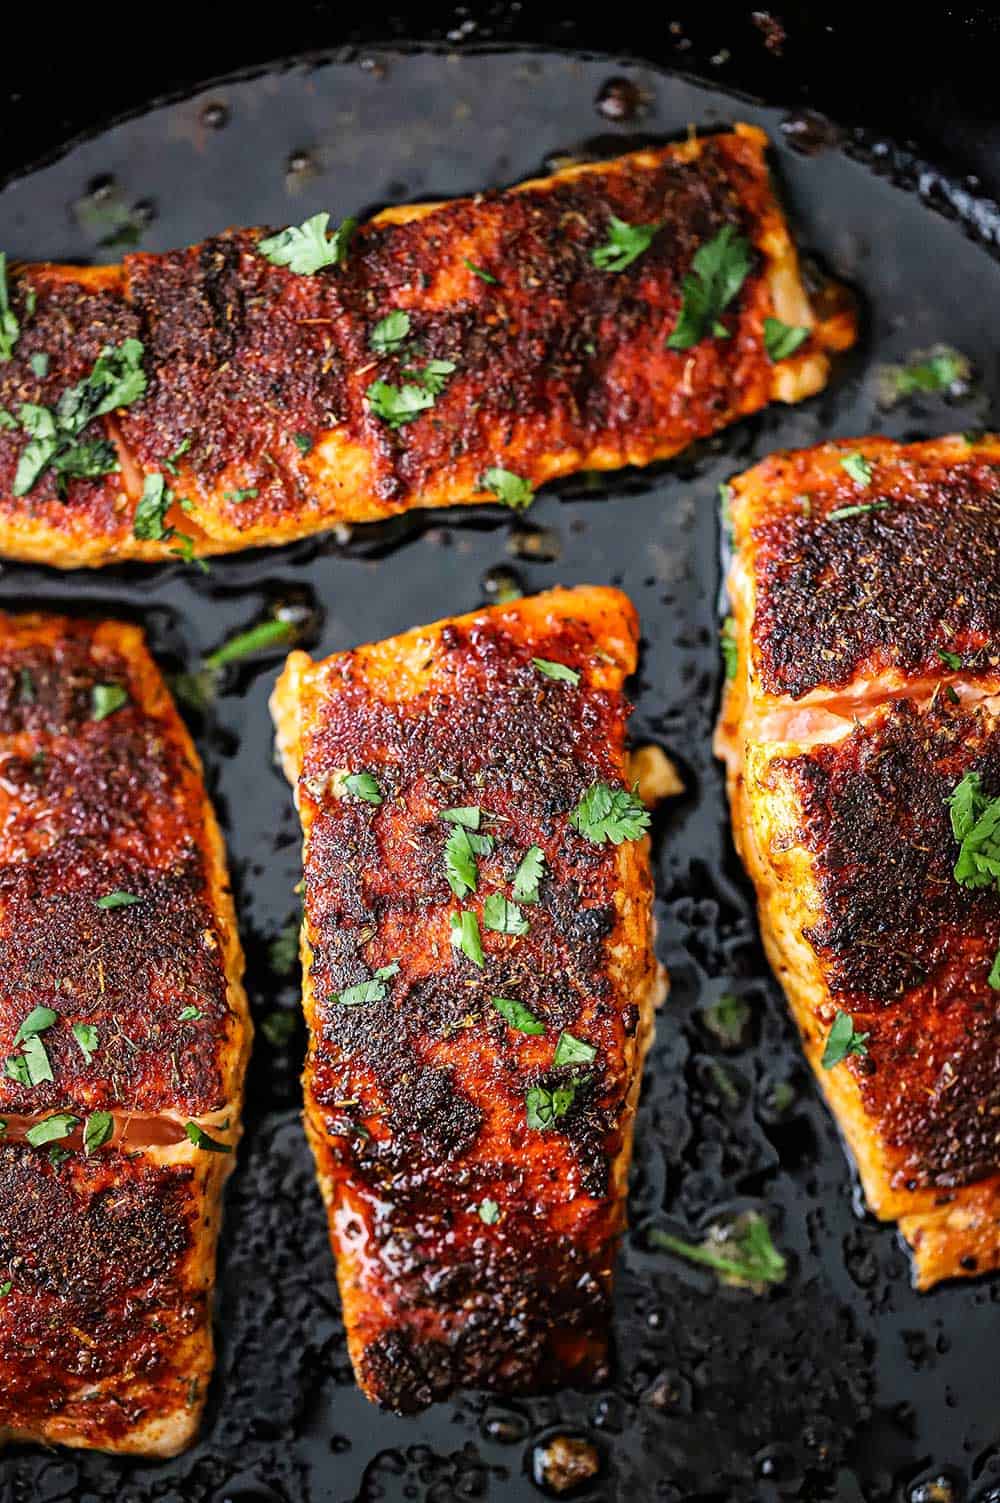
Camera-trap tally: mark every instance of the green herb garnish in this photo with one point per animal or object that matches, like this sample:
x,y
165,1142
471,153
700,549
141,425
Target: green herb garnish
x,y
390,332
362,785
840,512
10,329
625,244
528,875
557,671
149,523
97,1130
745,1255
117,380
730,648
843,1040
31,1067
477,271
273,633
975,823
718,271
460,852
503,916
858,467
397,405
468,815
727,1018
189,1014
489,1212
951,660
39,363
51,1129
510,489
573,1051
516,1015
303,442
609,814
117,899
993,979
237,497
307,248
465,936
782,340
37,1021
544,1108
200,1138
364,992
106,699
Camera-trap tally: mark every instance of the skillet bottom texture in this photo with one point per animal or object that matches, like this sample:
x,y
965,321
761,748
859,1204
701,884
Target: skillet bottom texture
x,y
842,1383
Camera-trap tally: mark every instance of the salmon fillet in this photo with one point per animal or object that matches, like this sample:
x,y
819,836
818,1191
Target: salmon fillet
x,y
124,1033
479,981
262,404
863,709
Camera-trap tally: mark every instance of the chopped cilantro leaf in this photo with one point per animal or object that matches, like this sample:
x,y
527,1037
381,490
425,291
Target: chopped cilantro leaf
x,y
37,1021
465,936
718,271
510,489
503,916
625,243
362,785
489,1212
307,248
573,1051
782,340
858,467
544,1107
951,660
975,823
557,671
468,815
843,1040
477,271
841,512
390,332
117,899
528,875
9,327
200,1138
516,1015
611,814
730,650
364,992
106,699
97,1130
51,1129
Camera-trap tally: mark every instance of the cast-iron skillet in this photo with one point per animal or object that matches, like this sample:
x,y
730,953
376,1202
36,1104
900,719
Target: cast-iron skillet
x,y
843,1383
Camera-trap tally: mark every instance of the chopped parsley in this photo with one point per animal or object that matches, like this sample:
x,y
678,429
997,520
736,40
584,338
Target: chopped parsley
x,y
10,329
745,1254
488,1212
26,687
6,1287
782,340
307,248
718,271
364,992
573,1051
468,815
610,814
189,1014
858,467
465,936
516,1015
975,824
390,332
39,363
303,442
951,660
557,671
510,489
528,875
362,785
106,699
727,1018
200,1138
149,523
460,852
994,977
940,369
117,380
397,405
97,1130
840,512
477,271
730,650
625,243
503,916
544,1107
237,497
843,1040
272,633
182,448
37,1021
117,899
31,1067
51,1129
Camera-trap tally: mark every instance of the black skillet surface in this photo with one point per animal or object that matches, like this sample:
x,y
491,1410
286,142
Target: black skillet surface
x,y
843,1383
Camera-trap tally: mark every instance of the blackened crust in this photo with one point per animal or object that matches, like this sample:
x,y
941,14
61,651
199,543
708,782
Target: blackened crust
x,y
906,948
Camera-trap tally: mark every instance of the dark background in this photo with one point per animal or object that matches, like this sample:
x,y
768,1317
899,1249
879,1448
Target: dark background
x,y
922,72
